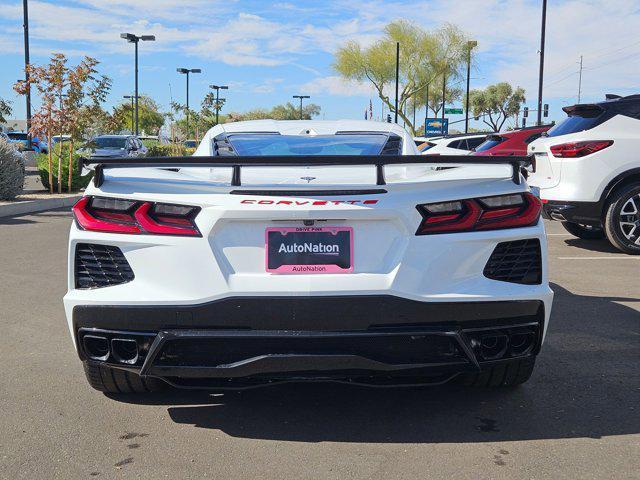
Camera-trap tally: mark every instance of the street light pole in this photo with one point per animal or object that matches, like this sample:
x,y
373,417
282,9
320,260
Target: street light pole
x,y
541,75
135,39
132,116
470,45
397,78
217,88
187,71
301,97
25,25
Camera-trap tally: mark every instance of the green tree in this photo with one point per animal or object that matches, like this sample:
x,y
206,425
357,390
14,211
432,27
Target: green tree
x,y
425,57
5,110
150,120
287,111
496,103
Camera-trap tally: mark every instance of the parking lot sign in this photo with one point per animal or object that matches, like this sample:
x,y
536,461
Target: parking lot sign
x,y
436,126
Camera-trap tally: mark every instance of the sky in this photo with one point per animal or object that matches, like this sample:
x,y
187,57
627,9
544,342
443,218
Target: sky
x,y
268,51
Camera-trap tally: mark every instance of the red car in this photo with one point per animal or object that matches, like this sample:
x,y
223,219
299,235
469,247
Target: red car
x,y
510,143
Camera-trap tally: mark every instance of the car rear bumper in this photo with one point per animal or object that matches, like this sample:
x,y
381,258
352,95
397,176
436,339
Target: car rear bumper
x,y
585,213
239,342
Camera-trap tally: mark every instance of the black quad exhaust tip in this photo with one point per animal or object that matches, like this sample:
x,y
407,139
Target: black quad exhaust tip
x,y
493,346
521,343
125,350
96,347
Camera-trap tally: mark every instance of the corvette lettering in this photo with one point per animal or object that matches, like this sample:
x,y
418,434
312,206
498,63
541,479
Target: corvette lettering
x,y
307,203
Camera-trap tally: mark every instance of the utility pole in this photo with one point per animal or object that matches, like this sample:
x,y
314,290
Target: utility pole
x,y
580,80
25,26
217,88
301,97
541,74
397,78
470,44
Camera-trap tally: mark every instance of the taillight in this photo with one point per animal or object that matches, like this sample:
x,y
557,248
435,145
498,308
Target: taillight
x,y
579,149
486,213
115,215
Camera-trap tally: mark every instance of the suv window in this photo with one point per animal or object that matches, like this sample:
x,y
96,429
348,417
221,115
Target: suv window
x,y
490,142
579,120
474,142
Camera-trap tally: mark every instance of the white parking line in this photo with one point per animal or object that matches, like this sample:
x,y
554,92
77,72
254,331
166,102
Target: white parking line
x,y
600,258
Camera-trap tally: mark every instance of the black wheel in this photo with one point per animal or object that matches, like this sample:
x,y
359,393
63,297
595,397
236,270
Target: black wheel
x,y
507,374
622,221
113,380
586,232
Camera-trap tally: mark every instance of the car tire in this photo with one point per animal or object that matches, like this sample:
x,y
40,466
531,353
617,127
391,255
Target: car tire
x,y
585,232
112,380
623,211
507,374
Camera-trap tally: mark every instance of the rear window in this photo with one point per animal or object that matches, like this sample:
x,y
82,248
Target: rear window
x,y
578,120
17,136
490,142
475,142
273,144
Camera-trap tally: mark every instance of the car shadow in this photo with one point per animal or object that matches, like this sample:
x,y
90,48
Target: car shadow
x,y
585,384
601,246
32,217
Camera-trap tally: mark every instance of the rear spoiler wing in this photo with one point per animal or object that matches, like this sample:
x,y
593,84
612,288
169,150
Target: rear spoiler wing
x,y
519,164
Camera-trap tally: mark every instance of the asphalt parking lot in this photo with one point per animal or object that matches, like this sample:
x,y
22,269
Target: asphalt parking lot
x,y
578,417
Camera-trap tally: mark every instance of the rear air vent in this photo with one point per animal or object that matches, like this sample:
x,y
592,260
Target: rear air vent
x,y
393,146
99,266
518,261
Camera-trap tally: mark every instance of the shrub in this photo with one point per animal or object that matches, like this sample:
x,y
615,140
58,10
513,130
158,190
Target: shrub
x,y
11,171
169,150
77,181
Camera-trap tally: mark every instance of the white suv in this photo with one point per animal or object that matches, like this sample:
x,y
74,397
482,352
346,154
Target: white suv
x,y
588,171
454,144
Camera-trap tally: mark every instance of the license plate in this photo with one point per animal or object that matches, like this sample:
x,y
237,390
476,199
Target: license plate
x,y
309,250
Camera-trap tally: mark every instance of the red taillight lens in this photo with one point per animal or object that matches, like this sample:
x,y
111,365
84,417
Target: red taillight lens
x,y
579,149
488,213
114,215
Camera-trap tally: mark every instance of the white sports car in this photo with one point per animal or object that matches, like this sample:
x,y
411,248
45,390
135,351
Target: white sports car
x,y
302,251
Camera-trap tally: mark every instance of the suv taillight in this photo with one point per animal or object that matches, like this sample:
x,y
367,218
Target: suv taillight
x,y
114,215
486,213
579,149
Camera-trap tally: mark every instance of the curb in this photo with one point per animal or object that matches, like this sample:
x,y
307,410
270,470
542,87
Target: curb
x,y
33,206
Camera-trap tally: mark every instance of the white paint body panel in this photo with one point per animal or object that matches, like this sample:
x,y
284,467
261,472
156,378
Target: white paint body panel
x,y
228,260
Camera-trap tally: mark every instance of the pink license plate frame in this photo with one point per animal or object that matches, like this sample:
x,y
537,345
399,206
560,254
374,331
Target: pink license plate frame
x,y
304,268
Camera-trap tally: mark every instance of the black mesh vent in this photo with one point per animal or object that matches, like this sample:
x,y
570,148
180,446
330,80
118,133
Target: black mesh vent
x,y
517,262
393,146
100,266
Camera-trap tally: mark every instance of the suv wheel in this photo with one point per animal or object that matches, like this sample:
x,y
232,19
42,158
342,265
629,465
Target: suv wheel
x,y
586,232
622,222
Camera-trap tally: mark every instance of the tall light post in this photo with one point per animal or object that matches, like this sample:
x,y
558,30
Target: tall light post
x,y
131,38
397,79
301,97
217,88
25,26
471,44
541,74
131,97
187,71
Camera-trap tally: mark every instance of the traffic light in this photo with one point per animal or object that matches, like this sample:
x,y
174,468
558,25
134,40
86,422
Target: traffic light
x,y
388,118
545,111
525,112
